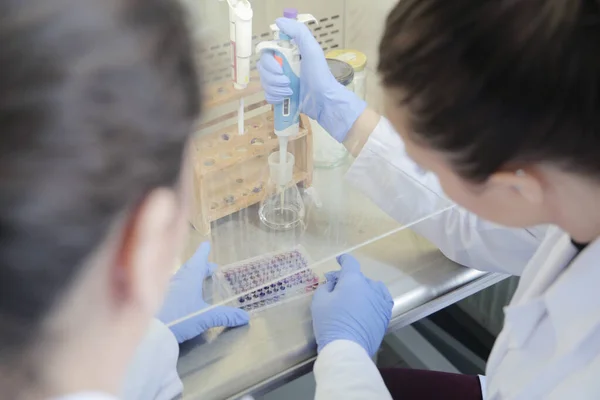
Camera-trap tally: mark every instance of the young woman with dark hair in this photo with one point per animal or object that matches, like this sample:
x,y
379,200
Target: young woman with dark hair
x,y
500,102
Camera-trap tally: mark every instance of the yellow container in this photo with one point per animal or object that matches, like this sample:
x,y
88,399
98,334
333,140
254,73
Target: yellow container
x,y
358,62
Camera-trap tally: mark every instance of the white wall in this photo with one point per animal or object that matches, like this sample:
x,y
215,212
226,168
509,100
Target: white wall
x,y
364,23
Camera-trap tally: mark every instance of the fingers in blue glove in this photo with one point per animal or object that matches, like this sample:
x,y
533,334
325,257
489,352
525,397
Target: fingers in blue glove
x,y
212,267
349,264
228,317
321,292
381,288
276,84
300,33
200,257
197,267
272,73
328,286
332,278
267,63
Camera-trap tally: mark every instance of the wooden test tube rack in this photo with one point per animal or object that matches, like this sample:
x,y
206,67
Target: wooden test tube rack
x,y
230,171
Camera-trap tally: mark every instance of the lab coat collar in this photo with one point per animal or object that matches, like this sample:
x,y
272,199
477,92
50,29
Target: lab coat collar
x,y
573,302
566,287
528,306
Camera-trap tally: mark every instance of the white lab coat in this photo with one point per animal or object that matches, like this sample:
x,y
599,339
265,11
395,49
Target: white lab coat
x,y
550,345
152,374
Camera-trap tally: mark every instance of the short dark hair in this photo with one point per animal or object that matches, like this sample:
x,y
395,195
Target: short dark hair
x,y
97,101
499,83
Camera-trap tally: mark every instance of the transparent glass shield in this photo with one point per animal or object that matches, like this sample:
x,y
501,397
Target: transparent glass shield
x,y
339,218
346,206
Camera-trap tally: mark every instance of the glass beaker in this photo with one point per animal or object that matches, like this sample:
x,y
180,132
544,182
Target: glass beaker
x,y
283,207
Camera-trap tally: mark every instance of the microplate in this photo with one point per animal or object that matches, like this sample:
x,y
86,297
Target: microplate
x,y
267,280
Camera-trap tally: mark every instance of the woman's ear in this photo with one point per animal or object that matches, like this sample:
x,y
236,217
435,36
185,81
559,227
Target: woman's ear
x,y
149,246
522,183
151,242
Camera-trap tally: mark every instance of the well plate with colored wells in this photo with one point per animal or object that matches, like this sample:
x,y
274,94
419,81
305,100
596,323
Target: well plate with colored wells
x,y
269,279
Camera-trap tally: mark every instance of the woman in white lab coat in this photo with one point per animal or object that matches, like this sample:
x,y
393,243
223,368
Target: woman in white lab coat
x,y
97,102
501,102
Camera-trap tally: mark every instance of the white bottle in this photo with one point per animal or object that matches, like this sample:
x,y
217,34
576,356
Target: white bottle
x,y
240,35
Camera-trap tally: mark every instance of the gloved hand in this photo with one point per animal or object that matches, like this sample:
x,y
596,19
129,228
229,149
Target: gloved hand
x,y
185,297
321,97
351,306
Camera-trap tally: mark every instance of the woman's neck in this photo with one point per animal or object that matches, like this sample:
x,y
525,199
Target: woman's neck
x,y
577,208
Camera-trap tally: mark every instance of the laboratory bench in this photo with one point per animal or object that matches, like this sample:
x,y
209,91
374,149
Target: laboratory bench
x,y
278,345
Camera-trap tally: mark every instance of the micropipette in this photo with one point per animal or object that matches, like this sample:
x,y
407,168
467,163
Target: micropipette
x,y
287,54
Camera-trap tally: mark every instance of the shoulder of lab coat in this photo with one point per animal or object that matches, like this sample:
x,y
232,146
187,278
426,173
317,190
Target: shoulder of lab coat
x,y
384,172
152,374
343,370
549,347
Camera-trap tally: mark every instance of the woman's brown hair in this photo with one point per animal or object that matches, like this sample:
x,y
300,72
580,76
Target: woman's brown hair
x,y
496,83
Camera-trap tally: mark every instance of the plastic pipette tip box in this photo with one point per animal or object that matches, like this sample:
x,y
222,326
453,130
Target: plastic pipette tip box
x,y
268,280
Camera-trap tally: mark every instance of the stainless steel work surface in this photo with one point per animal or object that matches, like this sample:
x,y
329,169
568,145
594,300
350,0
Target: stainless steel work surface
x,y
278,344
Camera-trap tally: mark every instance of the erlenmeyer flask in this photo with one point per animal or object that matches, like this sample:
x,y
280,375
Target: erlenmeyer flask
x,y
282,207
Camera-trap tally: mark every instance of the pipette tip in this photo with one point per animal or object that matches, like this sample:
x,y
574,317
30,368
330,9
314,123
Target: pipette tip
x,y
241,118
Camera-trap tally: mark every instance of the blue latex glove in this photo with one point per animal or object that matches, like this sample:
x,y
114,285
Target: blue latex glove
x,y
322,98
185,297
351,306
